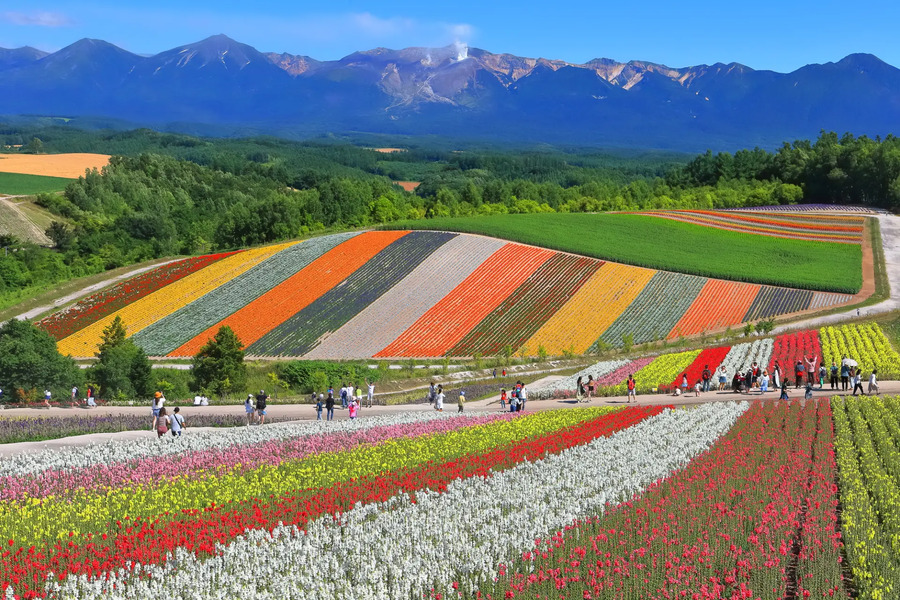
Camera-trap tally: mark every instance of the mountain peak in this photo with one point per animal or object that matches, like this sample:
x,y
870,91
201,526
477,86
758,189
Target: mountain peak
x,y
862,60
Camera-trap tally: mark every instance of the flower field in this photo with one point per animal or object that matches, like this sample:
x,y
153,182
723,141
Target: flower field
x,y
866,343
816,227
392,294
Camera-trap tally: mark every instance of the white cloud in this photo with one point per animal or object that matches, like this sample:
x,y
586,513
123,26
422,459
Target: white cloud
x,y
36,19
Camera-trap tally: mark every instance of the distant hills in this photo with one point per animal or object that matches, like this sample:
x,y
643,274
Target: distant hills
x,y
220,86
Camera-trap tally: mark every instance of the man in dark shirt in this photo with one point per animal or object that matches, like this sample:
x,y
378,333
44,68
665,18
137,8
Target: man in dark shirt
x,y
329,405
261,406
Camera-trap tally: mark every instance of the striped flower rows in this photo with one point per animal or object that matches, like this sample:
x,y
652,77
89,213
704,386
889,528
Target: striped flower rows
x,y
391,294
444,524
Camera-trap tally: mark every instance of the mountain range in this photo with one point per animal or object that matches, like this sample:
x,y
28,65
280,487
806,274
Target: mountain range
x,y
220,85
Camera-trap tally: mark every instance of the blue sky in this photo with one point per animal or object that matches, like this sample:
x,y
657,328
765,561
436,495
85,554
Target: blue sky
x,y
780,35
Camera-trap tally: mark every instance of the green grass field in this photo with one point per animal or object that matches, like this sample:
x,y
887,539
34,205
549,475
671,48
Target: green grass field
x,y
15,184
674,246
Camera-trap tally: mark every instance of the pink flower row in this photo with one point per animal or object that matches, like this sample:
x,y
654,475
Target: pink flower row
x,y
621,374
158,470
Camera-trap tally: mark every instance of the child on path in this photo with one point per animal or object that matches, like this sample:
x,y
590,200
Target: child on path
x,y
460,401
319,406
439,399
352,406
784,392
764,382
697,387
502,398
631,388
162,423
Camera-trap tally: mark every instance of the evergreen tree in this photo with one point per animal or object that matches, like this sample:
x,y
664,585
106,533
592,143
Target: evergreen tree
x,y
31,363
122,367
219,365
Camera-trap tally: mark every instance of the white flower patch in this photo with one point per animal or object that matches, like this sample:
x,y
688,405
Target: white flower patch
x,y
399,549
598,370
118,451
741,356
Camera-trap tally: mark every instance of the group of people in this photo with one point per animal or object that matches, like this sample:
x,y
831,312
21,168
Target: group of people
x,y
164,422
351,398
808,372
516,398
255,408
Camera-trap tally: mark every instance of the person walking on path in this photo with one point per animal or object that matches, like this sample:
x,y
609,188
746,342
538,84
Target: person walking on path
x,y
261,400
352,406
439,399
777,376
631,384
579,390
370,395
74,395
249,409
329,405
344,395
811,370
764,382
320,404
822,372
684,384
798,374
833,371
723,378
590,389
177,422
502,398
162,423
845,375
460,401
432,393
523,397
48,396
857,381
158,402
873,381
706,376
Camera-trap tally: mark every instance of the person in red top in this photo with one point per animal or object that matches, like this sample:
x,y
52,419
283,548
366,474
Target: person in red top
x,y
631,385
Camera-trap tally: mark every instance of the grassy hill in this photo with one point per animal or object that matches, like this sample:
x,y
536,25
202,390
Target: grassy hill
x,y
652,242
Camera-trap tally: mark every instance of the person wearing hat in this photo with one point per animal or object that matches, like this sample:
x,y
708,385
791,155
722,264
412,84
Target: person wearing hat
x,y
158,401
249,409
461,401
261,406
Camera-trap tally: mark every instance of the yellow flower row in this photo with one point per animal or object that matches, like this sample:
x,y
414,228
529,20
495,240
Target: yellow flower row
x,y
662,371
590,312
865,343
34,521
168,299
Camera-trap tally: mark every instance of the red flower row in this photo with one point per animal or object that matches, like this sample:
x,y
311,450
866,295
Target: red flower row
x,y
93,308
756,516
147,542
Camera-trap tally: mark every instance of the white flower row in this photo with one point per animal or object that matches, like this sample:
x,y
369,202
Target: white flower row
x,y
598,370
119,451
400,549
741,356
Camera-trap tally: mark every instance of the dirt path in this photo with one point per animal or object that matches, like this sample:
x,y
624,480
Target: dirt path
x,y
306,412
890,241
21,225
35,312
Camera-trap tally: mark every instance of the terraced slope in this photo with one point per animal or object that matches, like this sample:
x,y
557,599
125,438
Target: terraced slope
x,y
390,294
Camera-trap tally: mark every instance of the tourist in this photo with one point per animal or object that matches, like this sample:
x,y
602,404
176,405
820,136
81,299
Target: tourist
x,y
494,374
684,383
513,402
809,389
460,401
261,400
162,423
90,396
352,407
344,394
329,405
523,397
784,391
631,385
748,380
845,374
504,372
706,376
873,381
590,387
47,397
579,390
75,395
811,370
723,378
320,404
177,422
822,372
502,398
834,375
370,396
737,382
857,381
798,374
754,378
697,387
432,393
249,409
158,402
358,397
439,399
764,382
777,376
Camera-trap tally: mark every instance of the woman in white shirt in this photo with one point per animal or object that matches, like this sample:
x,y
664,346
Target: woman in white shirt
x,y
873,381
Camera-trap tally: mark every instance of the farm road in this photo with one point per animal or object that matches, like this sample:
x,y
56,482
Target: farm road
x,y
306,412
14,221
890,240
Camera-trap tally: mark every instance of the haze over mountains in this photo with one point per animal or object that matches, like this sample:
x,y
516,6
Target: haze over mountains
x,y
220,86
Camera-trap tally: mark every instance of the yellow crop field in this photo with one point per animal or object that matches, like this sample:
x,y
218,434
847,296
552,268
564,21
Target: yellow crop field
x,y
167,300
591,310
71,166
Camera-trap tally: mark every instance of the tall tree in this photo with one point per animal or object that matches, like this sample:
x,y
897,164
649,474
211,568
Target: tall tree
x,y
122,367
219,365
31,363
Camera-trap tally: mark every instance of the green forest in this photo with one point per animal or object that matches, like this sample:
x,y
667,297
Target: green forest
x,y
167,194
